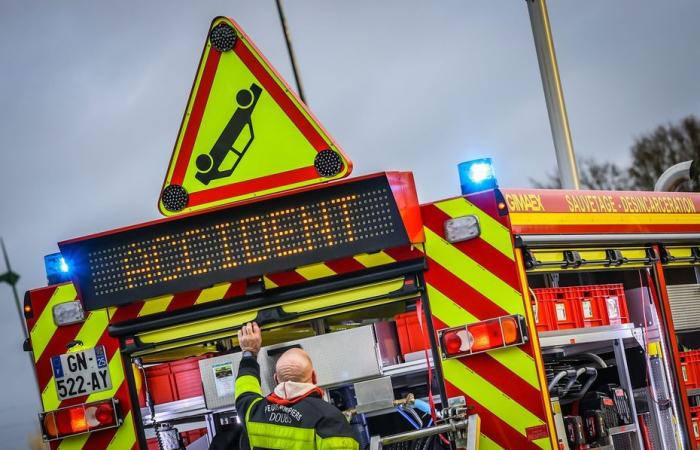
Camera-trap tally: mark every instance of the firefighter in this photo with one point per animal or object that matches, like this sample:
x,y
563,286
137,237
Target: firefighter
x,y
294,415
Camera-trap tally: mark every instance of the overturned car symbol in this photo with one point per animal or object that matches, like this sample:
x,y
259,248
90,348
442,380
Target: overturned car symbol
x,y
209,164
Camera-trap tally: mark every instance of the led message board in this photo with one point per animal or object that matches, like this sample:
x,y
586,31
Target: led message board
x,y
238,242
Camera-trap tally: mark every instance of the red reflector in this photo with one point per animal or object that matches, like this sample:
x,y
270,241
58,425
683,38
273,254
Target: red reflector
x,y
79,419
452,342
105,414
482,336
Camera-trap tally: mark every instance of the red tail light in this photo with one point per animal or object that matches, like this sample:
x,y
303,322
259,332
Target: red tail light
x,y
483,336
80,419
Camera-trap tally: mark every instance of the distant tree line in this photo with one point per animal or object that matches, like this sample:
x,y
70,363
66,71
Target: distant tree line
x,y
651,155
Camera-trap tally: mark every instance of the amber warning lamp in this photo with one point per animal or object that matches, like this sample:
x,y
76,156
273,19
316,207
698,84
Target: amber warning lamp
x,y
492,334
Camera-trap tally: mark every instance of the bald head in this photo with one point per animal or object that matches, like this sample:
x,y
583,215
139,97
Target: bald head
x,y
295,365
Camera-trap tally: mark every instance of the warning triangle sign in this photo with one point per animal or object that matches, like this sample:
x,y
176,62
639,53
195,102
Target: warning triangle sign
x,y
244,133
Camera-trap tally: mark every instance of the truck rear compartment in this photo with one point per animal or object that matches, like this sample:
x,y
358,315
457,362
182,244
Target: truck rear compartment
x,y
368,347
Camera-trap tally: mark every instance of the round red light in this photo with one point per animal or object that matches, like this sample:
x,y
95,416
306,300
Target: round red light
x,y
452,342
105,414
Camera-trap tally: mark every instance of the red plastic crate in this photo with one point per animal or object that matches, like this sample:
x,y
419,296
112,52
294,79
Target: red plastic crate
x,y
188,437
612,302
173,381
410,336
695,418
690,368
543,321
559,307
581,306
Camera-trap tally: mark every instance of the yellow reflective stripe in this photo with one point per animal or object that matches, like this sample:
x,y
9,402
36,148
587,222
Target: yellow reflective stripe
x,y
450,313
315,271
461,265
247,384
155,305
374,259
485,443
345,296
269,435
336,443
73,443
453,315
269,284
213,293
519,362
44,327
494,400
125,437
49,396
250,408
492,231
197,328
91,331
603,219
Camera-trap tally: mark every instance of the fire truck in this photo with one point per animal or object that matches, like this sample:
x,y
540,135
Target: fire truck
x,y
497,319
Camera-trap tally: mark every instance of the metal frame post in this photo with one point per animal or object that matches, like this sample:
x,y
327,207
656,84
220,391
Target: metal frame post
x,y
626,384
290,50
554,94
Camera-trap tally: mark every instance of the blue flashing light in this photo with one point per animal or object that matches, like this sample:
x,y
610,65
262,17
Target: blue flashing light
x,y
57,268
477,175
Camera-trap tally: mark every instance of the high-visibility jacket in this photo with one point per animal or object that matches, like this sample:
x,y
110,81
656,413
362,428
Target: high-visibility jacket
x,y
304,423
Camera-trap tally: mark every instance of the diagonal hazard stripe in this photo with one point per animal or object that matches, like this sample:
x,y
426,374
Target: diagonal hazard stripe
x,y
213,293
374,259
315,271
519,363
466,380
49,396
461,293
89,333
485,443
478,249
155,305
494,427
39,299
125,436
74,443
473,274
344,265
45,328
269,284
448,311
492,231
513,358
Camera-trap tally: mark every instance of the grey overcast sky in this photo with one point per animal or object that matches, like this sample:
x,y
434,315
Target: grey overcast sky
x,y
92,94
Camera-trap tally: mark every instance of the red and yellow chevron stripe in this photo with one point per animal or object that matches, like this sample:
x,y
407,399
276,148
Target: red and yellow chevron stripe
x,y
228,291
476,280
49,340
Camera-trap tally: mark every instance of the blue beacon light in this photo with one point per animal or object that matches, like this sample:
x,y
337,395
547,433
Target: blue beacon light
x,y
477,175
57,268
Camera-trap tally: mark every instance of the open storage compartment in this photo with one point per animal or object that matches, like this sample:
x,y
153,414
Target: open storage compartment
x,y
604,345
355,334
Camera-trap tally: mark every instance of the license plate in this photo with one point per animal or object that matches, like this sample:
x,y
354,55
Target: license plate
x,y
81,373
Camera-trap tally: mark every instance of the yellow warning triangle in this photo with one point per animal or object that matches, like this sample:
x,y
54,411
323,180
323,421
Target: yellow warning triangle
x,y
245,133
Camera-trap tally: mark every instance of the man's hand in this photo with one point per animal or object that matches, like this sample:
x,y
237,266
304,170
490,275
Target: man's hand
x,y
250,338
